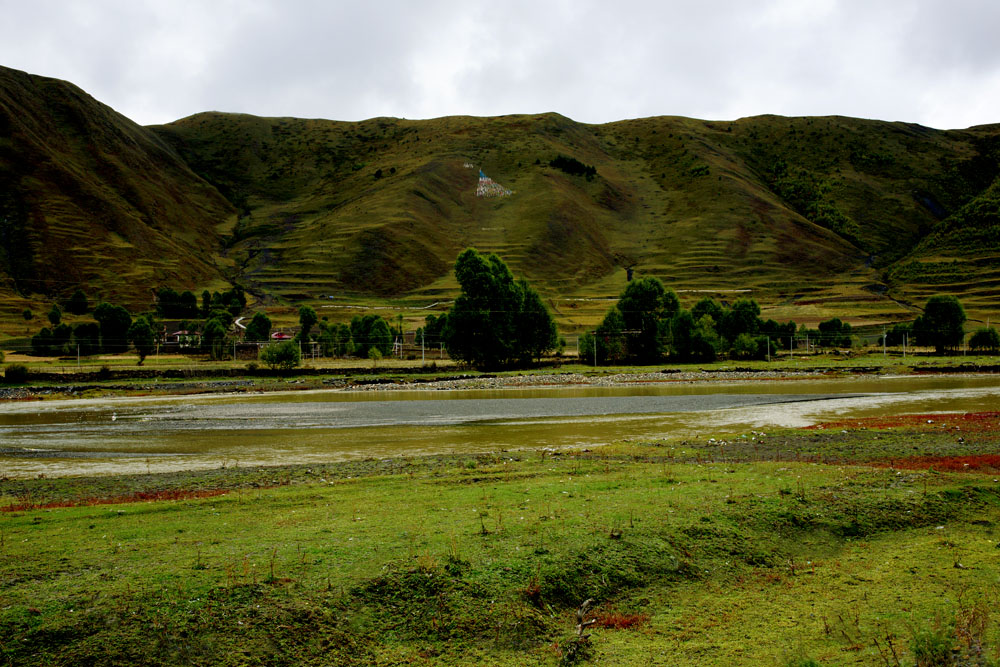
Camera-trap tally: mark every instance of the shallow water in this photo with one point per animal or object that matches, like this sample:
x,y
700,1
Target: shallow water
x,y
102,436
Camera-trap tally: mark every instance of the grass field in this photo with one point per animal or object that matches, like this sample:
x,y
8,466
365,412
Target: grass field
x,y
860,543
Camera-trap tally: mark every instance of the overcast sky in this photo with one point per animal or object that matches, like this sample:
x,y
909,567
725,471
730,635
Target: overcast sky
x,y
926,61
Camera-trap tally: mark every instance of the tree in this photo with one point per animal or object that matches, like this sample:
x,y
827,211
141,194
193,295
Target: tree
x,y
114,322
646,306
87,337
206,303
834,333
535,329
141,335
375,355
187,304
335,340
694,340
284,355
78,304
495,321
307,319
707,306
213,337
54,315
41,343
748,346
609,339
369,330
168,303
942,323
380,337
259,328
985,339
898,334
742,318
27,315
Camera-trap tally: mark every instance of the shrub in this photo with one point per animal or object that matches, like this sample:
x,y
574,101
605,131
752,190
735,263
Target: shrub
x,y
16,374
985,340
285,356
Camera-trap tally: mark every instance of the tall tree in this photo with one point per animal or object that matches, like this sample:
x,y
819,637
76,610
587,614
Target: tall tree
x,y
78,304
114,321
534,327
307,320
259,327
646,306
142,337
54,315
483,326
942,324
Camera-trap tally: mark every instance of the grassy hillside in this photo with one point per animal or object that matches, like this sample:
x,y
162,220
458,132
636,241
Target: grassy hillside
x,y
801,211
89,199
816,216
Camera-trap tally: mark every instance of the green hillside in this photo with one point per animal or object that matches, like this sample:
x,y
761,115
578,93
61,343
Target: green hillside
x,y
816,216
90,199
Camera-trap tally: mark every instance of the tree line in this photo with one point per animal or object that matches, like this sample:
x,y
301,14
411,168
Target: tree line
x,y
498,322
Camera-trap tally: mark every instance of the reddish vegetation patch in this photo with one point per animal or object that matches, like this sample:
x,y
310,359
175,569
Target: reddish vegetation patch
x,y
977,463
619,621
972,422
139,497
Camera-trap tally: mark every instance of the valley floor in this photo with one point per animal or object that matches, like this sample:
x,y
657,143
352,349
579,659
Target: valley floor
x,y
868,542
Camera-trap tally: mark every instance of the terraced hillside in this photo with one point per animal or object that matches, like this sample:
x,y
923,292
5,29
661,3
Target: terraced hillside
x,y
816,216
90,199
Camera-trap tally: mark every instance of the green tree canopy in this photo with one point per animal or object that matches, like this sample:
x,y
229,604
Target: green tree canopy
x,y
336,340
213,337
646,306
142,337
78,304
284,355
985,339
483,326
54,315
742,318
369,330
694,339
535,330
259,327
87,335
114,322
307,320
942,323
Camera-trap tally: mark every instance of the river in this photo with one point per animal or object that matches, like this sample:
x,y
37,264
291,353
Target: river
x,y
147,434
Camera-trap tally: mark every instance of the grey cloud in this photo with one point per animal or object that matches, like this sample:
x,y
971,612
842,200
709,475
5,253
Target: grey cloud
x,y
922,61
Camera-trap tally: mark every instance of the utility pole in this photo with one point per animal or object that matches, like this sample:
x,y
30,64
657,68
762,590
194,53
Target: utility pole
x,y
769,348
883,342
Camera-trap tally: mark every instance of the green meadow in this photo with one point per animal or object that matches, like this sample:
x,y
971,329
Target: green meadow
x,y
797,547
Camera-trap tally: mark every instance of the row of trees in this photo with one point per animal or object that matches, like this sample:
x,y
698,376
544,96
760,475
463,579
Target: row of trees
x,y
112,332
499,322
942,326
648,324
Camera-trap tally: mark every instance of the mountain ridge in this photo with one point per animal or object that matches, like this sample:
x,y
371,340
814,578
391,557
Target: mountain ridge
x,y
795,209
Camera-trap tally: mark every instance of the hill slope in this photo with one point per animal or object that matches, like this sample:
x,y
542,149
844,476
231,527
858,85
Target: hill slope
x,y
90,199
799,210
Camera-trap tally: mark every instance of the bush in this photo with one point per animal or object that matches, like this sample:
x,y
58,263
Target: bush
x,y
16,374
285,356
985,340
